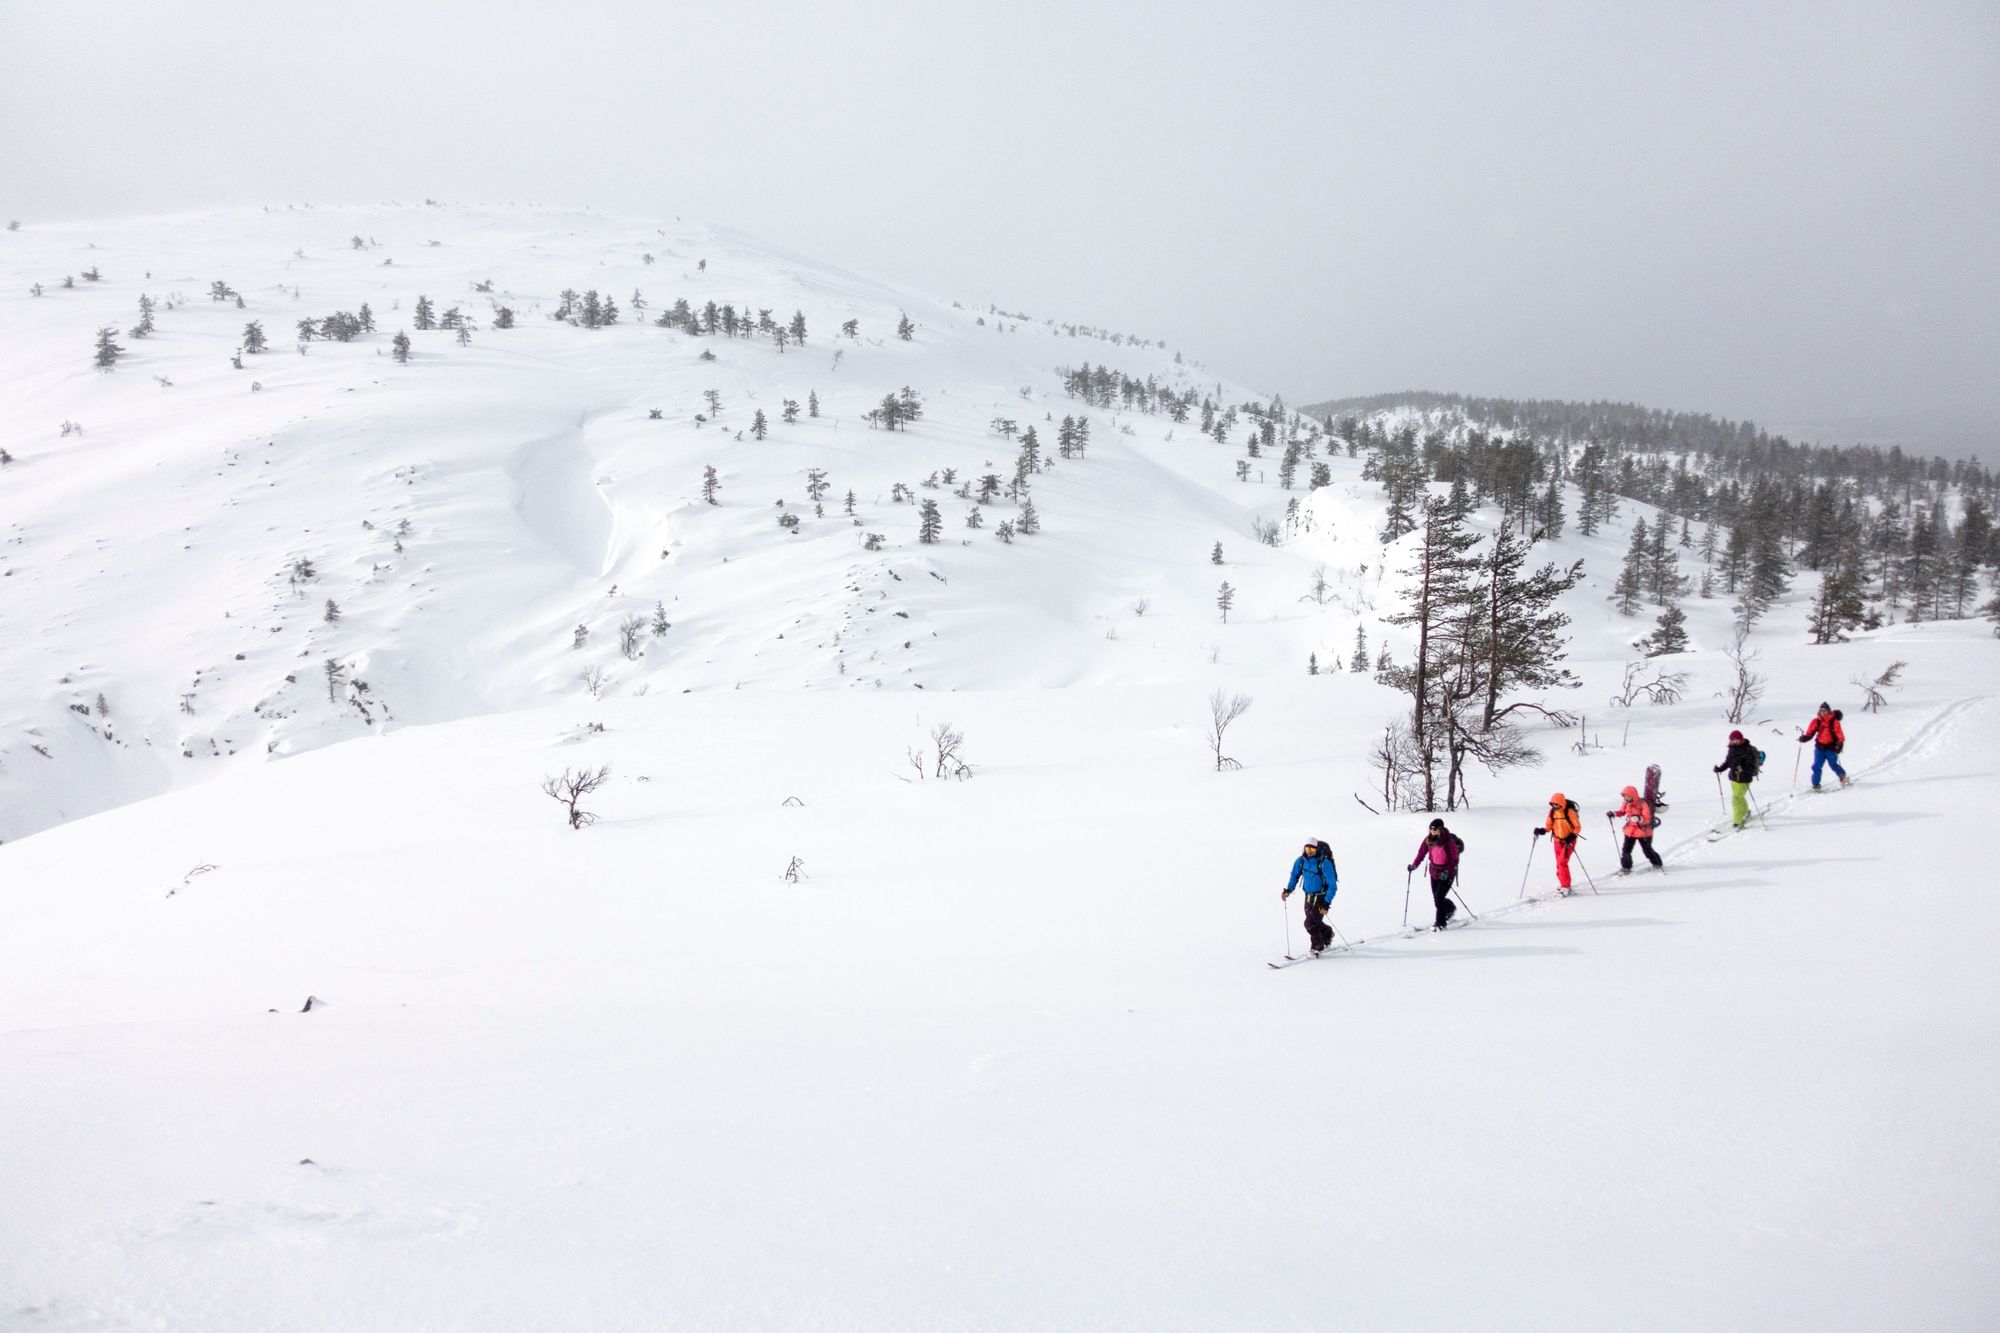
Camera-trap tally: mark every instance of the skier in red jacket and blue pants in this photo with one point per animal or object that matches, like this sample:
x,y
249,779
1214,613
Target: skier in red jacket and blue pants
x,y
1828,739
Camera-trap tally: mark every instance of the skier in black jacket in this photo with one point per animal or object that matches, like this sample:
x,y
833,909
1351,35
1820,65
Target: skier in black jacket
x,y
1743,762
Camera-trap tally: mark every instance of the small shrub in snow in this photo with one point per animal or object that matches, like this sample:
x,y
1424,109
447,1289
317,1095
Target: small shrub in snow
x,y
631,631
571,787
332,612
1223,709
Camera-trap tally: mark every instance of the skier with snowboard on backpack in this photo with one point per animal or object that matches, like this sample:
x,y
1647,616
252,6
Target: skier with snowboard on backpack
x,y
1743,761
1321,879
1637,812
1829,738
1438,853
1563,828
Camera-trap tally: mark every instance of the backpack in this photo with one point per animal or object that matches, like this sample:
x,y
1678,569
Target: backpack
x,y
1568,812
1326,853
1461,843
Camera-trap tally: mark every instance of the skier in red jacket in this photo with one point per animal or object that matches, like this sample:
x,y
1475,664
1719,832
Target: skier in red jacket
x,y
1828,738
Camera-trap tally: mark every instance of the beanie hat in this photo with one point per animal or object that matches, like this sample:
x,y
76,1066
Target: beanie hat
x,y
1825,706
1437,823
1735,735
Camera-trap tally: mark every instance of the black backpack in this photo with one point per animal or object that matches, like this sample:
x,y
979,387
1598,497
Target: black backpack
x,y
1326,853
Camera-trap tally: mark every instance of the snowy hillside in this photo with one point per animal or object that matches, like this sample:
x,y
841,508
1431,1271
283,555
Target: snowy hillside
x,y
467,511
998,1053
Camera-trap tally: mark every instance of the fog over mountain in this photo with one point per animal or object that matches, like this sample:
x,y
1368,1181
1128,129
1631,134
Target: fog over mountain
x,y
1750,210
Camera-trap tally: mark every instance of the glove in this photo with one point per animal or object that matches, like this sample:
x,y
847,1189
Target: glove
x,y
1804,739
1286,895
1540,831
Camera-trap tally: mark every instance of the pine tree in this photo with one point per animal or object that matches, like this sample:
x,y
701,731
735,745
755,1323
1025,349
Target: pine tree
x,y
758,426
709,485
1225,597
930,523
1312,664
332,612
1521,644
791,412
253,337
1549,513
426,316
905,330
1215,556
144,328
1358,664
797,328
1631,582
108,348
1669,634
1838,607
812,404
1437,605
849,504
1030,522
503,317
660,623
366,318
400,345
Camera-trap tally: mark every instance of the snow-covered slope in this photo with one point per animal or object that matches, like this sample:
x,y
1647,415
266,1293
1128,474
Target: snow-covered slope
x,y
1007,1054
149,559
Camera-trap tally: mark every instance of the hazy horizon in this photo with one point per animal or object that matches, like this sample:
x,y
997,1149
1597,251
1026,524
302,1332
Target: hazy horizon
x,y
1758,212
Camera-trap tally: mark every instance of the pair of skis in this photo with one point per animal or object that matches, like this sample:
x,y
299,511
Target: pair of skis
x,y
1292,960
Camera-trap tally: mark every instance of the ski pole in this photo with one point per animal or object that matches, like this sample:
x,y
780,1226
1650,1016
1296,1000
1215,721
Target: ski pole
x,y
1406,896
1532,842
1796,756
1337,935
1578,854
1756,805
1283,903
1461,899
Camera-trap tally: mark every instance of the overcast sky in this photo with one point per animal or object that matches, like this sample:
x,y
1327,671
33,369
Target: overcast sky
x,y
1785,212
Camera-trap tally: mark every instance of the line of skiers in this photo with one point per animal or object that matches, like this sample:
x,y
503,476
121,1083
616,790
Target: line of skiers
x,y
1439,852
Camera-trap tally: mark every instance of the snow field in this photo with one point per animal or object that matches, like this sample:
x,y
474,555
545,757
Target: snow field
x,y
1009,1056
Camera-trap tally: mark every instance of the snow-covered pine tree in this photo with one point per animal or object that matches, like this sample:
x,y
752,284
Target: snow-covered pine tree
x,y
1225,598
930,523
709,485
253,337
108,348
426,314
1029,523
400,346
759,427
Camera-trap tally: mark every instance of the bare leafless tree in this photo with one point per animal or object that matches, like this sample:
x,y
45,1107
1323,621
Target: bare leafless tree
x,y
1658,687
1744,692
593,679
947,741
572,787
631,633
1223,709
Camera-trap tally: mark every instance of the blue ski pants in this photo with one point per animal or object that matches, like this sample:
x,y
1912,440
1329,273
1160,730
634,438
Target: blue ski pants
x,y
1823,756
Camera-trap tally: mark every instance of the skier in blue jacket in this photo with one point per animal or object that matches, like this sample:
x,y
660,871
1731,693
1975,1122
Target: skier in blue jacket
x,y
1315,870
